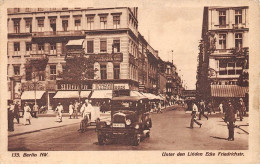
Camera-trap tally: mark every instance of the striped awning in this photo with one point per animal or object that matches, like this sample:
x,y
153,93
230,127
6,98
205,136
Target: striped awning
x,y
102,94
136,94
30,95
71,94
228,91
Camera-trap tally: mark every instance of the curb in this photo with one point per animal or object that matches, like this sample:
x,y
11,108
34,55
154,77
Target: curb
x,y
22,133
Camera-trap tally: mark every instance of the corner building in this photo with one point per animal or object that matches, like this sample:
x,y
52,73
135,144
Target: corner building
x,y
109,35
224,54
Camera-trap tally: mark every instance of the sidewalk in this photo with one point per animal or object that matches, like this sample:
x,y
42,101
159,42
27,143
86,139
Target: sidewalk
x,y
48,122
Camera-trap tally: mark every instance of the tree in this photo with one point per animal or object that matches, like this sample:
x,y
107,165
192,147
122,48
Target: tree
x,y
78,70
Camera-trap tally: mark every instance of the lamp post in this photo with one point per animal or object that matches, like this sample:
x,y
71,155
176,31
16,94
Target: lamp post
x,y
34,83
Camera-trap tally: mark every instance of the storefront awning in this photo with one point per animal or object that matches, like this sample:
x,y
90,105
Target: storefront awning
x,y
151,96
30,95
102,94
136,94
228,91
71,94
75,42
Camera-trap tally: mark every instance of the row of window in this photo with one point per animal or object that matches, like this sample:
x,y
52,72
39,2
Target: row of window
x,y
90,47
65,23
222,17
238,40
53,72
29,75
17,10
39,48
224,83
230,68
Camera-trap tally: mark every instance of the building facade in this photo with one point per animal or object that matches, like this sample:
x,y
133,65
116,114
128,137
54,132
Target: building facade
x,y
37,39
223,56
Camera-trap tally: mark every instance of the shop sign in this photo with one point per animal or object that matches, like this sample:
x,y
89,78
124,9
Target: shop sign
x,y
103,86
116,57
71,87
29,86
17,90
121,86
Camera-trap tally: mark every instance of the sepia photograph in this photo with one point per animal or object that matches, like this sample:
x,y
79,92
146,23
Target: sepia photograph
x,y
169,78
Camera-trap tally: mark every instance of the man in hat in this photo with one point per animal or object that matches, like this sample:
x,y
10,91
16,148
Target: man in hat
x,y
241,109
194,115
202,110
230,120
59,110
16,111
11,117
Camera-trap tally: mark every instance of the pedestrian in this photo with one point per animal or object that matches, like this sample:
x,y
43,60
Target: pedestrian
x,y
11,117
16,112
35,110
194,116
71,109
241,109
221,107
159,108
242,106
230,120
87,110
59,110
202,110
209,108
27,114
76,106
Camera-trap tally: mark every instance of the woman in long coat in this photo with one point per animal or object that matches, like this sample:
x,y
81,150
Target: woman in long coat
x,y
27,114
71,109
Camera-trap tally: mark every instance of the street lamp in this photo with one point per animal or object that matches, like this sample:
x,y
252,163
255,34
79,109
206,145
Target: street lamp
x,y
34,83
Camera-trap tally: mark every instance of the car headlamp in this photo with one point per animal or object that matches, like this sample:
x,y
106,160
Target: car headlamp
x,y
108,123
137,126
128,122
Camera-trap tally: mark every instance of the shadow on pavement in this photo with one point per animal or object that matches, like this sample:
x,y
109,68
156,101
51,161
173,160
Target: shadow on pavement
x,y
215,137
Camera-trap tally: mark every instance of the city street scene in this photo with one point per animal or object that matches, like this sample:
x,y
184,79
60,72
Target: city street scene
x,y
104,79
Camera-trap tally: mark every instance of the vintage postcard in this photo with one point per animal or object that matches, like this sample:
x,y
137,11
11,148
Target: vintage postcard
x,y
138,82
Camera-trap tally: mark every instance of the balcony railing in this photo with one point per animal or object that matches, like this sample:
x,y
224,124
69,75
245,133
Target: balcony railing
x,y
58,33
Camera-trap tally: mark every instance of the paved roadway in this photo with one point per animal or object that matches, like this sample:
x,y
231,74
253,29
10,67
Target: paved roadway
x,y
170,131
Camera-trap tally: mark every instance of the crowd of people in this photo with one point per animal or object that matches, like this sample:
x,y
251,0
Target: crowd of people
x,y
231,110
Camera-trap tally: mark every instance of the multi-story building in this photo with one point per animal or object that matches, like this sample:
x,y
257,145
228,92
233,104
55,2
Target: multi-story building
x,y
223,56
37,40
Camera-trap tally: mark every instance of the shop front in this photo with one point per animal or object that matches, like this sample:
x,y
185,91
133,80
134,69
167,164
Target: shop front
x,y
69,93
221,93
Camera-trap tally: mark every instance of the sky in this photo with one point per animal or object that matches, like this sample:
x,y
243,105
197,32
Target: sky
x,y
174,28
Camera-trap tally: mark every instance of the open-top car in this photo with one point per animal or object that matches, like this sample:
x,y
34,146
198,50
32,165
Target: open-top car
x,y
130,120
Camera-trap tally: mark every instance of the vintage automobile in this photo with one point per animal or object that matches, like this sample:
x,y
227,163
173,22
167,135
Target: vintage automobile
x,y
130,121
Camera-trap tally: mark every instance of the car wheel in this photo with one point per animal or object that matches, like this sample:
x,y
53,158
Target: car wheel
x,y
136,140
148,134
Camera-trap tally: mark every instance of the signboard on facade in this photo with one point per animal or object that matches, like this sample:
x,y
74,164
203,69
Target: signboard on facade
x,y
121,86
111,86
68,86
103,86
29,86
17,90
115,57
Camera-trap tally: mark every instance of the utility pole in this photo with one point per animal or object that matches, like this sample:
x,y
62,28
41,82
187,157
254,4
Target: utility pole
x,y
172,56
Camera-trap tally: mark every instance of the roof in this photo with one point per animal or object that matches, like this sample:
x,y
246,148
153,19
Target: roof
x,y
228,91
128,98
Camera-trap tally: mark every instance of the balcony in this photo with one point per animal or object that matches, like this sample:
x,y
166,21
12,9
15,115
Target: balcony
x,y
58,33
239,26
